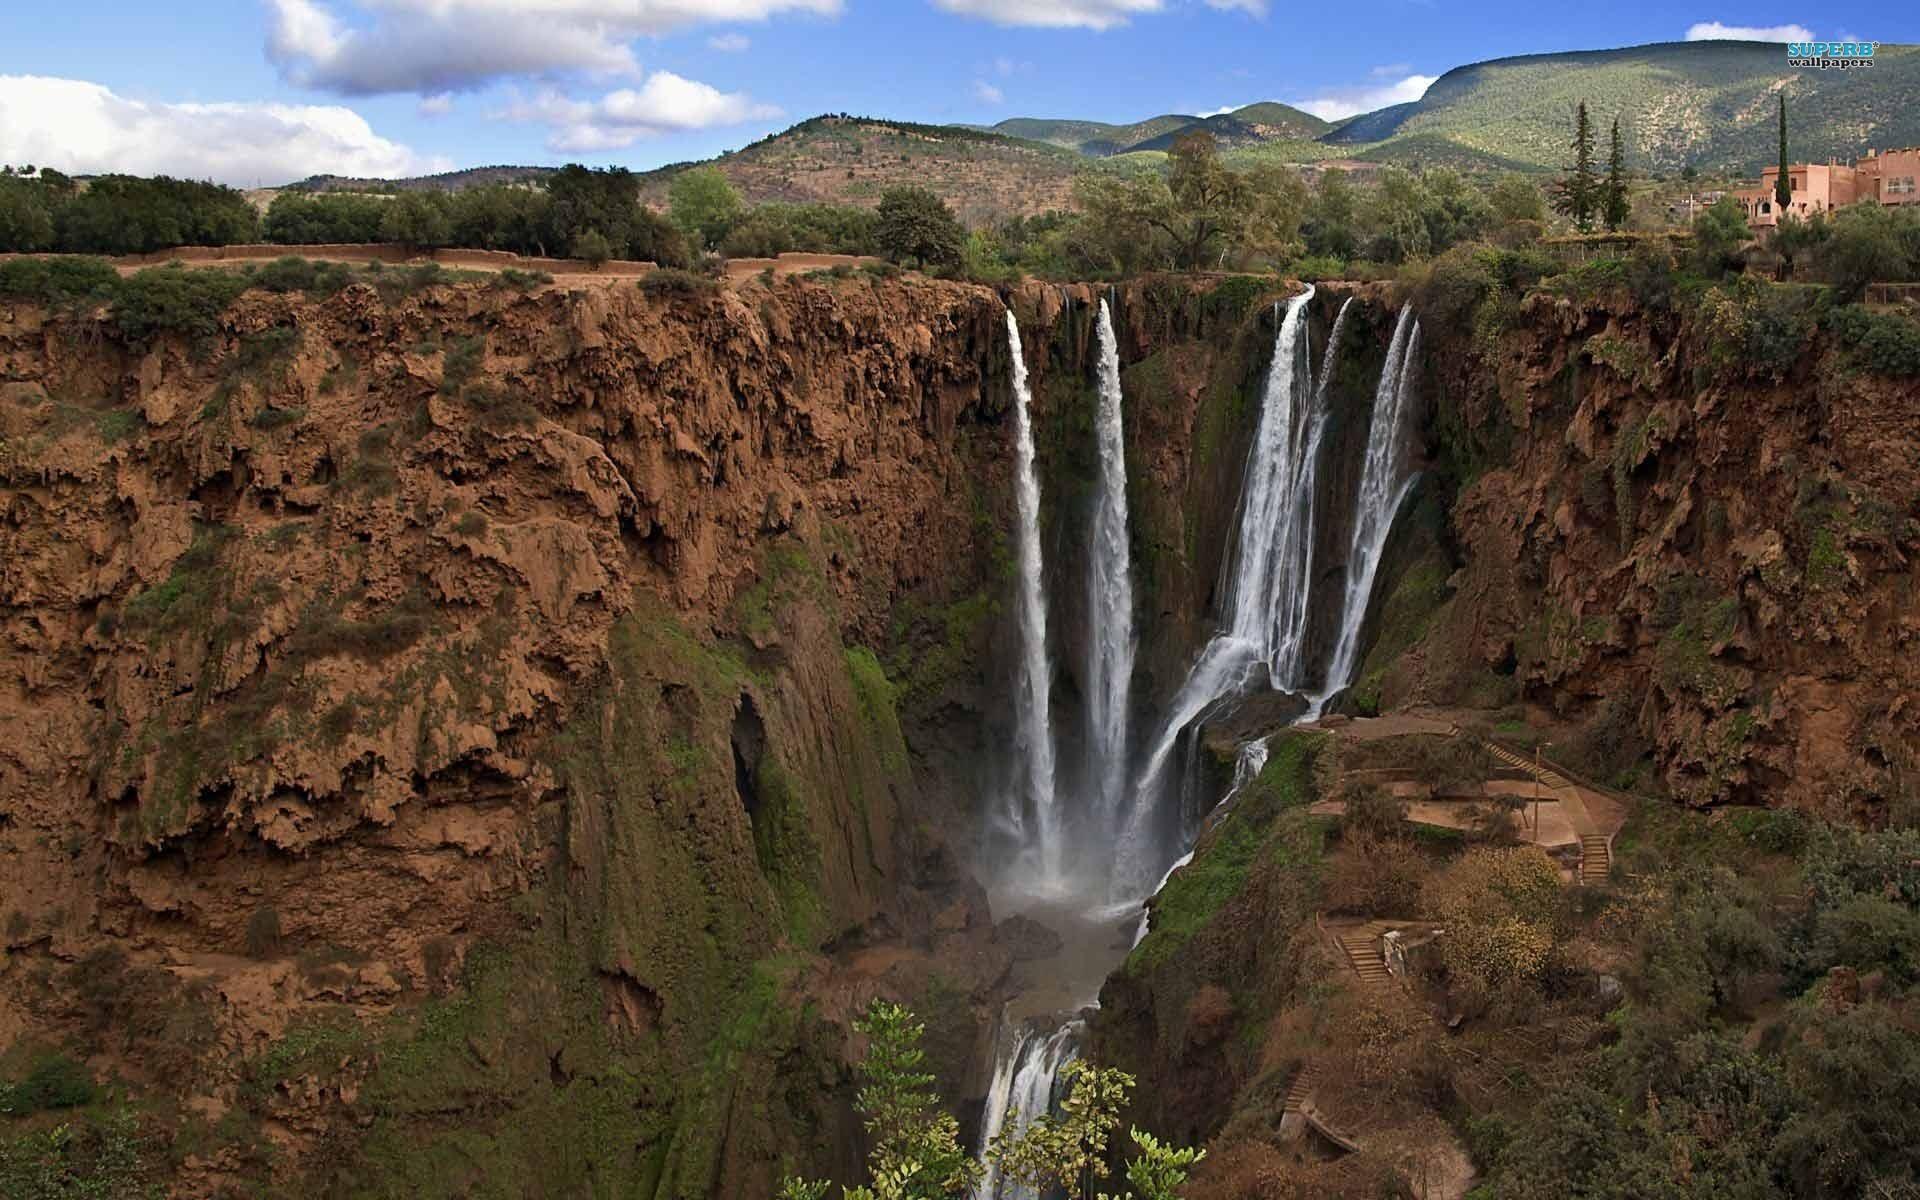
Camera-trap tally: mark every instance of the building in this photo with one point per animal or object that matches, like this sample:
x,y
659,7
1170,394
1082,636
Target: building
x,y
1881,177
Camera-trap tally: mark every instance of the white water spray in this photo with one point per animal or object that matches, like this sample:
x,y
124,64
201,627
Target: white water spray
x,y
1266,604
1026,1067
1033,738
1110,642
1385,480
1247,766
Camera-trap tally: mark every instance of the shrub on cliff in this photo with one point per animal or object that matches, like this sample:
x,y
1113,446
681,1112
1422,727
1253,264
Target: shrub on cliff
x,y
58,282
917,226
1885,343
1498,908
174,299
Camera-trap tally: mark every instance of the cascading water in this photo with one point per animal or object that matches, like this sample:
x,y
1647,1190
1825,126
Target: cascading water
x,y
1247,766
1266,606
1385,480
1025,1073
1109,592
1033,739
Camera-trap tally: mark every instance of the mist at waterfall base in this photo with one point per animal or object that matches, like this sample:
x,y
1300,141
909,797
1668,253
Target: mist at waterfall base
x,y
1085,865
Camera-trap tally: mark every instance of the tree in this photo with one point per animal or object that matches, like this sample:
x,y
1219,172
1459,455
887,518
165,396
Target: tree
x,y
1576,195
1614,205
1869,243
1068,1152
916,225
1719,231
1783,186
704,205
1207,199
1516,198
591,248
416,220
26,219
1329,225
1793,237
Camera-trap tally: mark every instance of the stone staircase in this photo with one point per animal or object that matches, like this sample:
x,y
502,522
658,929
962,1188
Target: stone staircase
x,y
1596,859
1300,1091
1363,954
1548,777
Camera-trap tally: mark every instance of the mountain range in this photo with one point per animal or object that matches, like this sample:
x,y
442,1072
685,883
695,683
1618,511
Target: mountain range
x,y
1709,105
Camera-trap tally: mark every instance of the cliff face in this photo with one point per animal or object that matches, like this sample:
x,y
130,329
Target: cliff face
x,y
478,712
358,636
482,738
1674,545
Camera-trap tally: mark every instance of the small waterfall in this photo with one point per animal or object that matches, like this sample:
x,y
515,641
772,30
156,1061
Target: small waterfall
x,y
1033,742
1109,592
1026,1072
1385,481
1247,766
1266,605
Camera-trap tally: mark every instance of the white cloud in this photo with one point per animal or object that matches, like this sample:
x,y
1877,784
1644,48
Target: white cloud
x,y
1257,8
1222,111
1714,31
84,128
986,93
432,46
665,103
438,105
728,43
1054,14
1337,103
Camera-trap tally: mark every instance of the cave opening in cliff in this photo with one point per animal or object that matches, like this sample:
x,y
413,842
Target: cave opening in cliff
x,y
749,739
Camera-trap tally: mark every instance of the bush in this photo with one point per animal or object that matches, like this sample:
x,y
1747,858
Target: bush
x,y
294,274
1885,343
58,281
53,1082
1498,907
174,299
592,248
672,281
1869,243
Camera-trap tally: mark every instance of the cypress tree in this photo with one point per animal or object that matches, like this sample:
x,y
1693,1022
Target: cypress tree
x,y
1614,207
1783,186
1578,195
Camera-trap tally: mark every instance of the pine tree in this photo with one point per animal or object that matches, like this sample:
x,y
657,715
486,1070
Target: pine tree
x,y
1614,206
1577,195
1783,186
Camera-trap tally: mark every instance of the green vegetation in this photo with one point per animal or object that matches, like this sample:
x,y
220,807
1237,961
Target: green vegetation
x,y
101,1157
1268,819
916,226
916,1152
119,214
704,206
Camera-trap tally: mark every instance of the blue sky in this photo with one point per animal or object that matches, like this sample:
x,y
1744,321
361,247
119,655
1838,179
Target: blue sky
x,y
260,93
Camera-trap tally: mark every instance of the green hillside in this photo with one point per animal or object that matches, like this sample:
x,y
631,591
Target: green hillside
x,y
1706,104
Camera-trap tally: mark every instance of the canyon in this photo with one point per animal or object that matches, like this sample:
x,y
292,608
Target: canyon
x,y
478,743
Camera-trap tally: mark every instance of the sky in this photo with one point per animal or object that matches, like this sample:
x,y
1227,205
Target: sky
x,y
263,92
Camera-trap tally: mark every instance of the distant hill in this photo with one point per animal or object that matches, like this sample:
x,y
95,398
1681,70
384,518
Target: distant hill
x,y
446,181
1096,139
852,160
1704,104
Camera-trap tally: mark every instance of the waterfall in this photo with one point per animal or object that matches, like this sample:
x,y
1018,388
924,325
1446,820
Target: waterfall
x,y
1109,592
1033,739
1266,603
1247,766
1385,481
1025,1072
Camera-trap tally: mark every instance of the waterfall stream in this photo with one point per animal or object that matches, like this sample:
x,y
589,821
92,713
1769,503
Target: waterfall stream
x,y
1385,480
1026,1073
1266,614
1033,738
1267,583
1109,674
